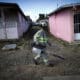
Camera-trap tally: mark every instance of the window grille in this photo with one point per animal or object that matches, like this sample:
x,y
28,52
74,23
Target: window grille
x,y
77,23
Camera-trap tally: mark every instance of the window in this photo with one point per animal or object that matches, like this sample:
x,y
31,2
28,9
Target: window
x,y
77,23
0,14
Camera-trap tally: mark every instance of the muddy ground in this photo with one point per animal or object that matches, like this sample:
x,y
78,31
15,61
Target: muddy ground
x,y
18,64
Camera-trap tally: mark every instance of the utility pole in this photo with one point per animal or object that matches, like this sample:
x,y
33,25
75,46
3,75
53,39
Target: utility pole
x,y
57,3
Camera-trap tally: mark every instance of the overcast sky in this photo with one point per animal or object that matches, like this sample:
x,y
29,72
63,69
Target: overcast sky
x,y
34,7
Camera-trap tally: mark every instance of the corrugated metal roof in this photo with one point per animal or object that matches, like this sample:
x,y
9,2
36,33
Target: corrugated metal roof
x,y
64,7
14,5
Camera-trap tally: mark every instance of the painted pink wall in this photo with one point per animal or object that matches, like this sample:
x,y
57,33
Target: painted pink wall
x,y
61,25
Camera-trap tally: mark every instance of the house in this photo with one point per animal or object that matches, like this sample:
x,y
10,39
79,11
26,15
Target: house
x,y
29,20
13,22
64,23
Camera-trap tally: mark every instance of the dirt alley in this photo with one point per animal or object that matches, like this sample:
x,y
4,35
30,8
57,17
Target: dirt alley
x,y
18,64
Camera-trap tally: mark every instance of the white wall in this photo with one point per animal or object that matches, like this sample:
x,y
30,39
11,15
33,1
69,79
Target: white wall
x,y
12,24
22,25
2,34
10,19
12,33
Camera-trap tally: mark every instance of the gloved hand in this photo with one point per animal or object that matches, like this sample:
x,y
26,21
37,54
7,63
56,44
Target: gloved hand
x,y
32,44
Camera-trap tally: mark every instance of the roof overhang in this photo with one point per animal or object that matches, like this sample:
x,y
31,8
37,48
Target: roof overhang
x,y
64,7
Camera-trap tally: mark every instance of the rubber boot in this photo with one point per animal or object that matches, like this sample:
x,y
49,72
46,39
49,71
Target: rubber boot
x,y
36,62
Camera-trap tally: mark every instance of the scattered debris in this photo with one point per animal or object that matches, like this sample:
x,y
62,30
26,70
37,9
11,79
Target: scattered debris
x,y
9,46
58,56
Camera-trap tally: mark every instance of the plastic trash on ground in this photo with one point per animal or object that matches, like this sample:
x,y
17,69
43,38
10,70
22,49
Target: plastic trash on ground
x,y
9,46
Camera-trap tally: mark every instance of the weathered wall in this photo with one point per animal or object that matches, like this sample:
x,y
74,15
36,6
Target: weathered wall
x,y
22,25
11,23
61,25
8,24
